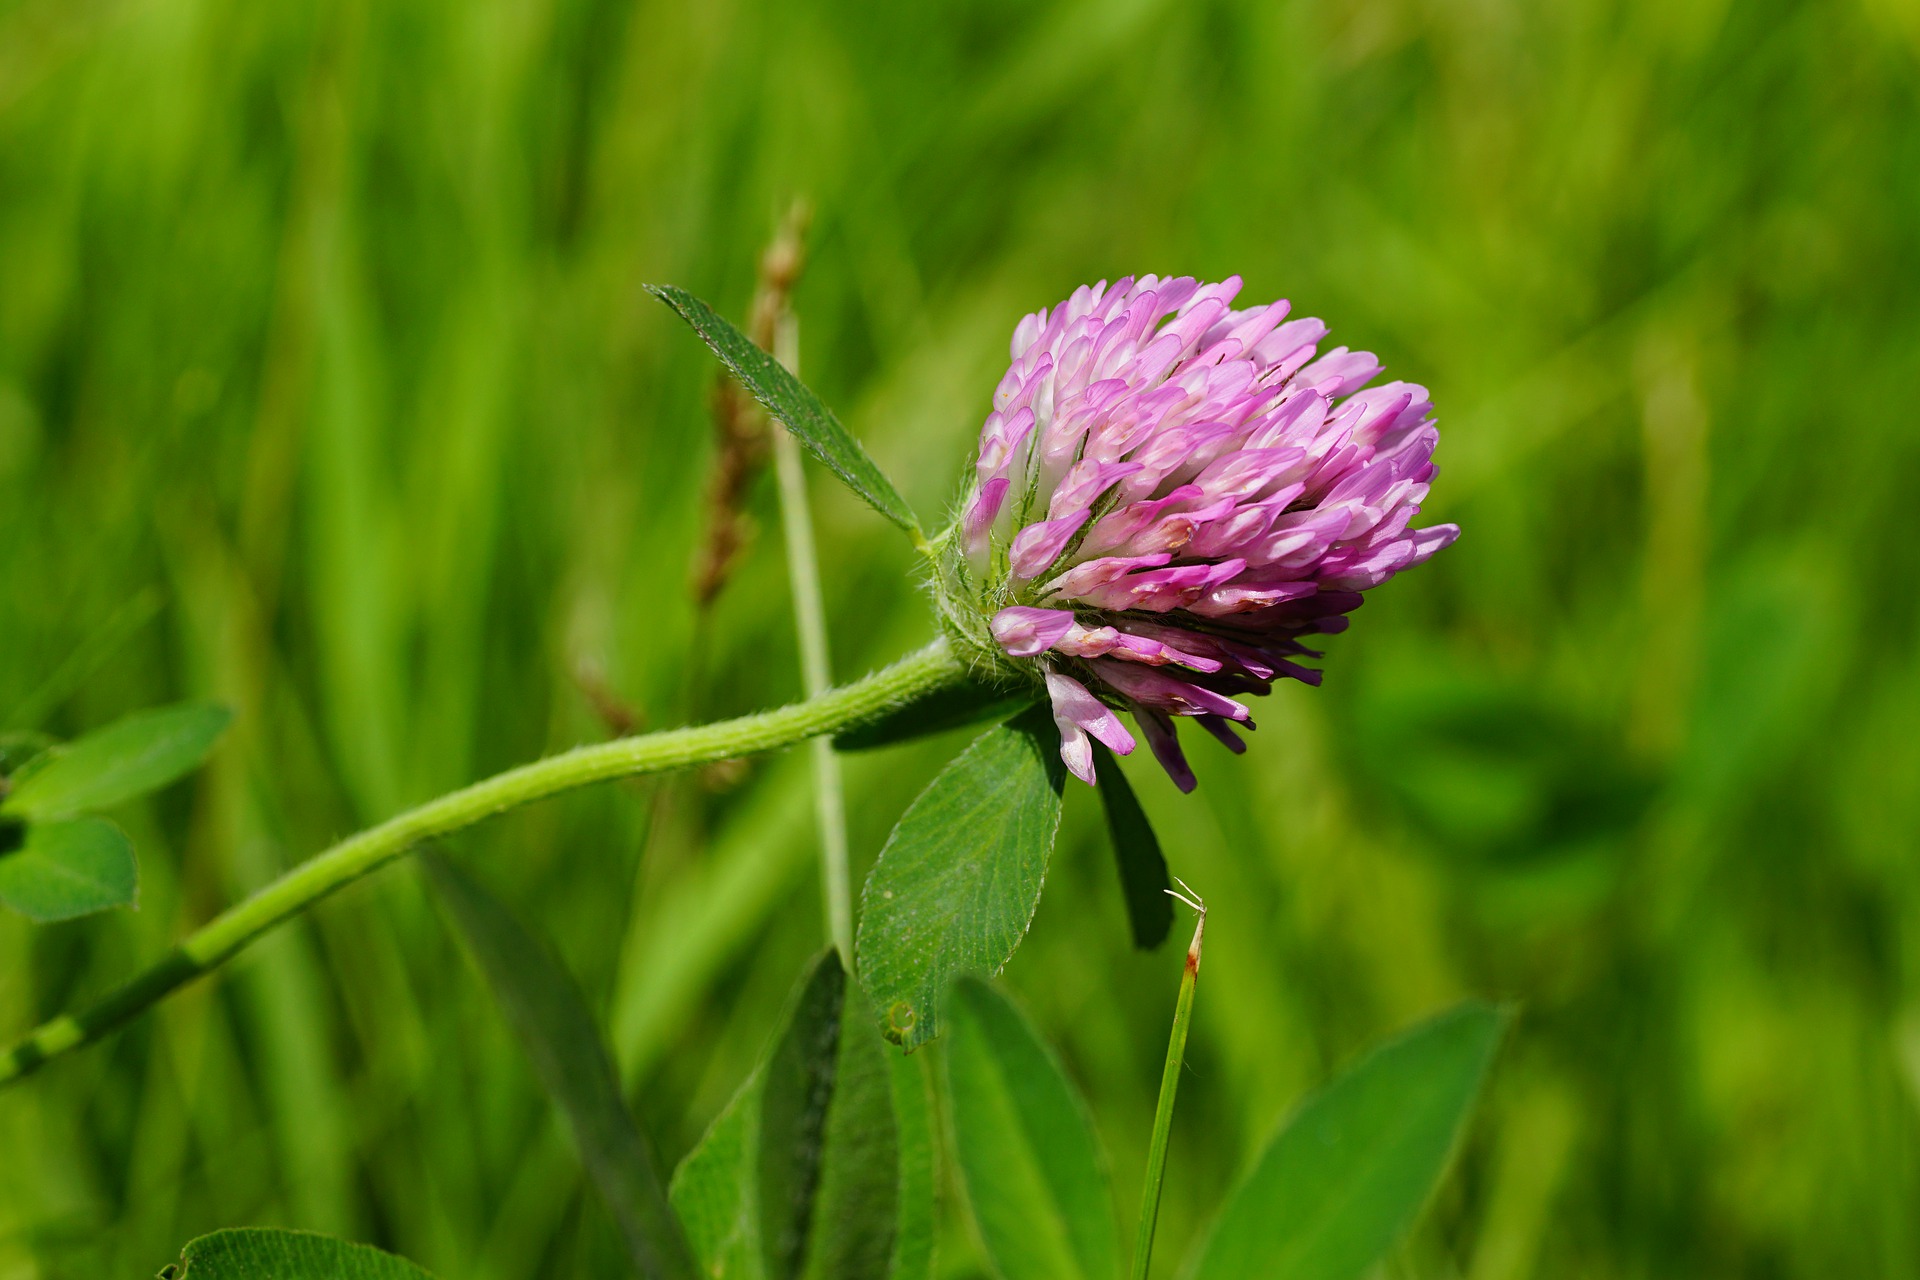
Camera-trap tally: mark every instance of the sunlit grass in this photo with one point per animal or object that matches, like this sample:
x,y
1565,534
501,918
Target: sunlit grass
x,y
325,322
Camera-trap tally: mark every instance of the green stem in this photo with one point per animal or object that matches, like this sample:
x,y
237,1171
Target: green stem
x,y
1163,1115
226,934
810,622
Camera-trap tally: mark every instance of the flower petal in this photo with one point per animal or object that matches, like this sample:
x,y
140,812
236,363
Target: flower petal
x,y
1079,714
1165,741
1024,632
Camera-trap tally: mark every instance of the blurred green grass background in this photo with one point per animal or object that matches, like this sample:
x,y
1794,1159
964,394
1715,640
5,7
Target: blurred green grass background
x,y
327,388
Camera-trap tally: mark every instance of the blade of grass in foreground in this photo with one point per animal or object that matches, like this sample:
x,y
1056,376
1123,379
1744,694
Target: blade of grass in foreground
x,y
548,1014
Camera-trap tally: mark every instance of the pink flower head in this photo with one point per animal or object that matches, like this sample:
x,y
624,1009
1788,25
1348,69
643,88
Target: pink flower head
x,y
1170,494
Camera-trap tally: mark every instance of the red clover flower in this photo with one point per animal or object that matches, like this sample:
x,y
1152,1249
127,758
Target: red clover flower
x,y
1170,494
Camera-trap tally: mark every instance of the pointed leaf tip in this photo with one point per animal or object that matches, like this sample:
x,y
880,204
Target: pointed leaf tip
x,y
790,400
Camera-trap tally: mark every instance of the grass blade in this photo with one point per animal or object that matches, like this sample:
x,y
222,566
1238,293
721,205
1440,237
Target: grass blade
x,y
1169,1091
547,1012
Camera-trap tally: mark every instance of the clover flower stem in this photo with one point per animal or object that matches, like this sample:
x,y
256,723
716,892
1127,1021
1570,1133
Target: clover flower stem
x,y
223,937
810,622
1169,1087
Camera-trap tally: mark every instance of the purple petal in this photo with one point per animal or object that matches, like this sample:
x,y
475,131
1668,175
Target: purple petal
x,y
1078,713
1222,730
1085,481
1165,741
999,438
1245,597
986,509
1088,574
1340,371
1038,545
1163,590
1024,632
1153,687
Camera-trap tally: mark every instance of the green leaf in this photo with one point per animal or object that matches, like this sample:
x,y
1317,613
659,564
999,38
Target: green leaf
x,y
822,1165
796,1091
547,1012
828,1161
913,1123
1033,1169
1143,869
788,399
948,707
19,749
59,870
957,883
713,1191
856,1213
139,754
1345,1176
255,1253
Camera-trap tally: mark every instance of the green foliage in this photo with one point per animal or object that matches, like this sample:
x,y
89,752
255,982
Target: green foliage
x,y
821,1166
714,1190
1347,1173
1036,1178
62,869
19,748
546,1010
56,866
1136,851
141,753
788,399
320,322
255,1253
957,883
800,1086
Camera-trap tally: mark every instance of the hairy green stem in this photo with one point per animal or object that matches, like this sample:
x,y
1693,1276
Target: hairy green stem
x,y
226,934
810,622
1163,1115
